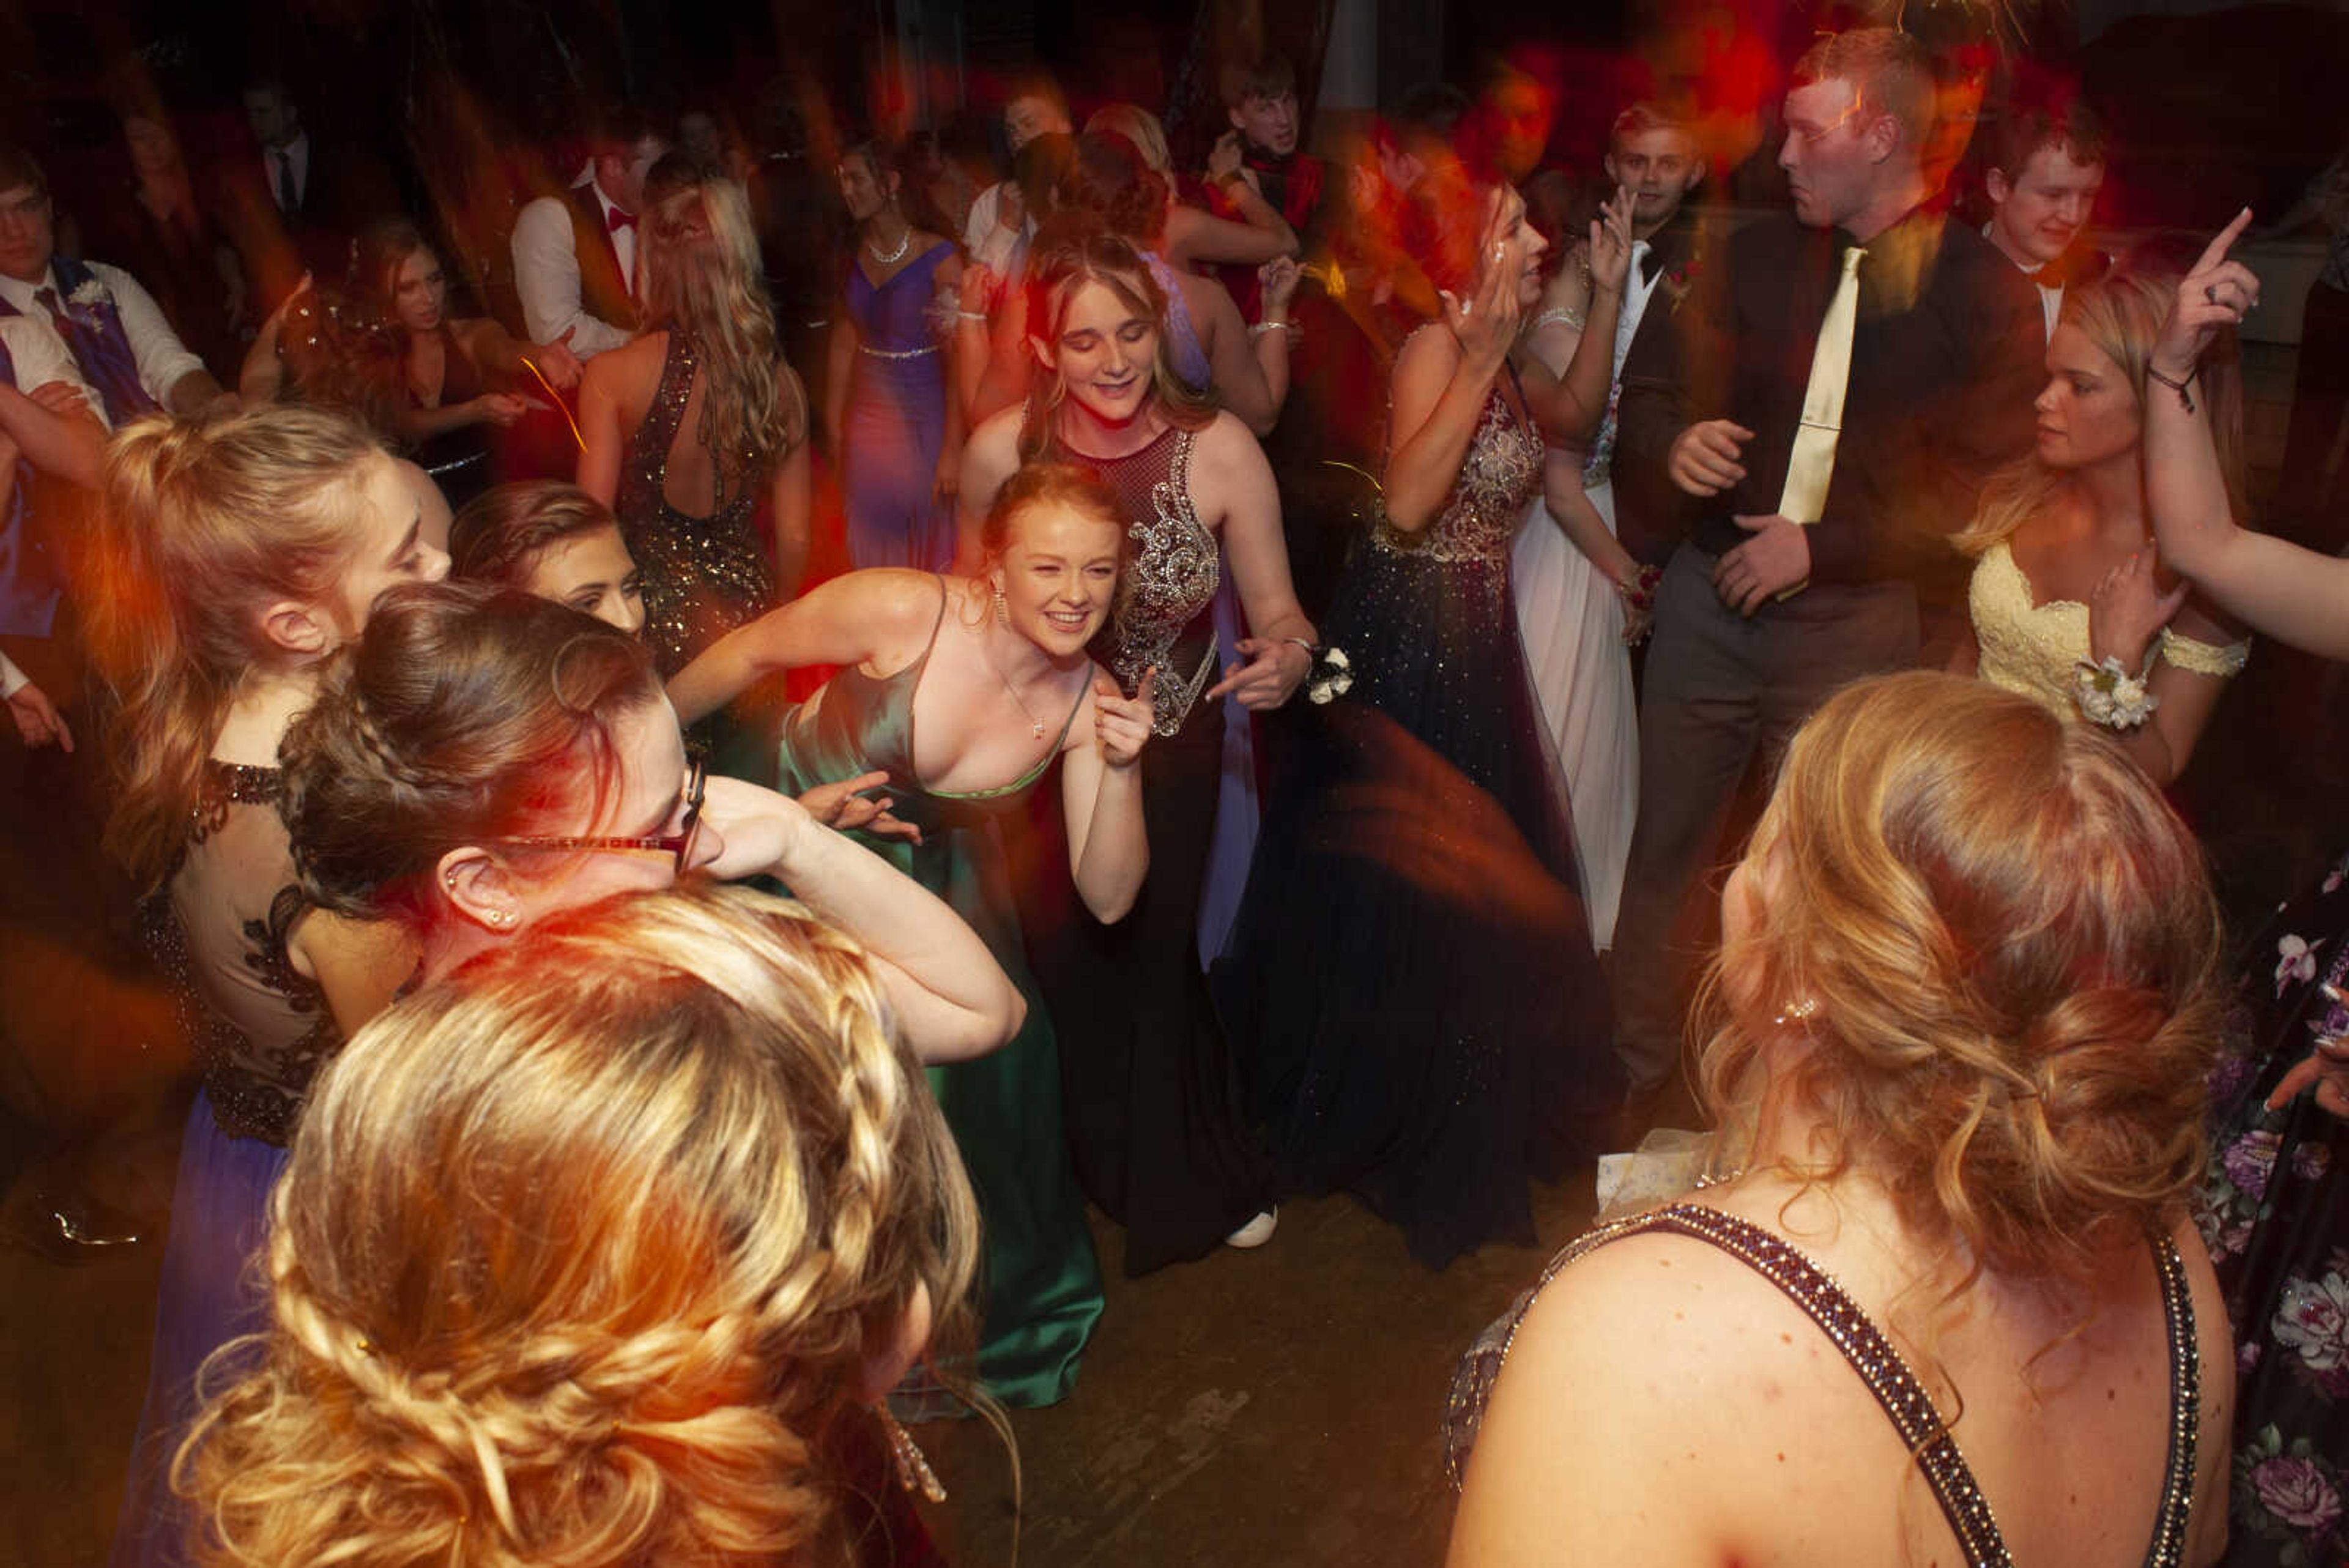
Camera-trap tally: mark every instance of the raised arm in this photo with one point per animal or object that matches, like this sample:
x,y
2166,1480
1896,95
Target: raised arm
x,y
2292,595
1100,798
1569,405
846,620
1260,235
952,999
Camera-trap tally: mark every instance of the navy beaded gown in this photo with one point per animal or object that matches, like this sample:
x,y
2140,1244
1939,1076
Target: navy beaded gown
x,y
1409,991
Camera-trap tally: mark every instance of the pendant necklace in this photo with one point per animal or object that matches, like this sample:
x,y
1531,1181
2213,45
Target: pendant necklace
x,y
1035,725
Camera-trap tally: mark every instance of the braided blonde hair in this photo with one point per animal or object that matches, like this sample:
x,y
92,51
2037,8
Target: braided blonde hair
x,y
2013,954
580,1256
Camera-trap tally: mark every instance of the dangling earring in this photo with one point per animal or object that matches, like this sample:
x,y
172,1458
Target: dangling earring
x,y
914,1472
1002,609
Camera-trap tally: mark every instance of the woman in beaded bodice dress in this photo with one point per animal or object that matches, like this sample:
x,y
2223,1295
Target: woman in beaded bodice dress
x,y
954,698
249,547
2064,584
1154,1124
1411,992
697,433
892,426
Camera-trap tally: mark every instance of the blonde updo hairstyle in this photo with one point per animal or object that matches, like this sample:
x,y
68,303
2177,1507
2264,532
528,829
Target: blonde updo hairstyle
x,y
582,1256
2013,951
204,525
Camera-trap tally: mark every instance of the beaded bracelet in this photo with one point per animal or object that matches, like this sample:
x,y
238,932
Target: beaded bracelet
x,y
2185,401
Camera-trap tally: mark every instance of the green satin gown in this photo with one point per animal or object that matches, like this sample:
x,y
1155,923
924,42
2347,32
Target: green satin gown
x,y
1042,1286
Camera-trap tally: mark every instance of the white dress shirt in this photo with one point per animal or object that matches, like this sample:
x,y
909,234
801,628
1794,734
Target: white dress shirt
x,y
162,358
984,238
295,155
546,275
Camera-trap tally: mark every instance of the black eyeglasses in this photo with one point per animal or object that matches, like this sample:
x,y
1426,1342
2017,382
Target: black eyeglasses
x,y
679,844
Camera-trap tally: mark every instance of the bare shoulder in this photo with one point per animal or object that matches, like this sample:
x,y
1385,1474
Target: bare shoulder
x,y
634,367
1227,465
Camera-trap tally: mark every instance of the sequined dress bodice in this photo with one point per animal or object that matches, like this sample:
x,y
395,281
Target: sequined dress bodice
x,y
1878,1364
2032,649
1165,605
703,576
1498,479
218,928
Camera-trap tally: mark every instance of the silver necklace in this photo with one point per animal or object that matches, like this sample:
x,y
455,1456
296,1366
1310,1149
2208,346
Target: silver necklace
x,y
892,257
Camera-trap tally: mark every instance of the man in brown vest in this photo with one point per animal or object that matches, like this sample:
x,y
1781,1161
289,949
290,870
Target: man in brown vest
x,y
574,256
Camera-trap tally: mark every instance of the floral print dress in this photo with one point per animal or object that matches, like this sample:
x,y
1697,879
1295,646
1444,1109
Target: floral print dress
x,y
2271,1214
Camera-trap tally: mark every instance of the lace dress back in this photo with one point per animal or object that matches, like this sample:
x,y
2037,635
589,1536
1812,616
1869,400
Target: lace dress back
x,y
218,928
2031,649
1878,1364
703,576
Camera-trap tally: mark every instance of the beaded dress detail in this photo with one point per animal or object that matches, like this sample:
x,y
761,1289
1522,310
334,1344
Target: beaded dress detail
x,y
1498,480
1878,1364
703,576
2031,649
1166,607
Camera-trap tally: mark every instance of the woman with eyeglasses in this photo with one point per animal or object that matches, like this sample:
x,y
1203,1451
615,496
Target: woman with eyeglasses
x,y
483,758
240,552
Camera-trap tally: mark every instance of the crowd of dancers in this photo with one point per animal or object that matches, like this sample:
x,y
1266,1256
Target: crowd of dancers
x,y
1176,779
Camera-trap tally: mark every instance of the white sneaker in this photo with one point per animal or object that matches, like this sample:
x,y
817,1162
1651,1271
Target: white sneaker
x,y
1255,1233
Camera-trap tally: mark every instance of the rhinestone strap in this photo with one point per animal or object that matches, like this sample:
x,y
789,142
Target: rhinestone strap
x,y
924,352
1879,1365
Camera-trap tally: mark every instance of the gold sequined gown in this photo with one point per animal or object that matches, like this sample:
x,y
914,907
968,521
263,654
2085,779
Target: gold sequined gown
x,y
703,575
1409,991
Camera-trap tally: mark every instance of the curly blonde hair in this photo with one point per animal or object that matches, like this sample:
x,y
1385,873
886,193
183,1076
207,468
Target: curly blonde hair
x,y
702,275
581,1256
2013,954
204,524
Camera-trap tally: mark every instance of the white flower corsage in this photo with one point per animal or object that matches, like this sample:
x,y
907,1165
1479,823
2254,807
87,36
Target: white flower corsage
x,y
93,294
2109,695
1331,675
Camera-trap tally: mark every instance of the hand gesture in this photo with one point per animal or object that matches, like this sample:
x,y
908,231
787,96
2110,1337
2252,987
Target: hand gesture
x,y
2327,1067
1121,724
37,718
844,807
1772,563
1486,326
1223,159
500,408
756,827
1277,279
979,287
2128,609
1703,459
1273,670
1610,244
558,364
2216,293
61,397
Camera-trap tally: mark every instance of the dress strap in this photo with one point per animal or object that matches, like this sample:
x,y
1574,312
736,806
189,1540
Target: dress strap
x,y
1873,1357
2169,1525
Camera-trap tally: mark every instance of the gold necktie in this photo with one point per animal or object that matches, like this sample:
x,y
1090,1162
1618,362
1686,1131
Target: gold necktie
x,y
1811,464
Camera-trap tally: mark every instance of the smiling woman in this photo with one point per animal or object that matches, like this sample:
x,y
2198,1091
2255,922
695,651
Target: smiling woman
x,y
956,696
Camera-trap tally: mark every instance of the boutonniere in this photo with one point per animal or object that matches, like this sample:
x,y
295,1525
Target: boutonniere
x,y
90,295
1678,281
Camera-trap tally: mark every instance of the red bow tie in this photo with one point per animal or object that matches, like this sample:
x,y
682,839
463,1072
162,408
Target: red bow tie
x,y
616,220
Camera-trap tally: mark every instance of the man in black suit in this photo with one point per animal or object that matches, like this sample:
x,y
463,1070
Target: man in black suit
x,y
2045,167
1797,573
294,202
